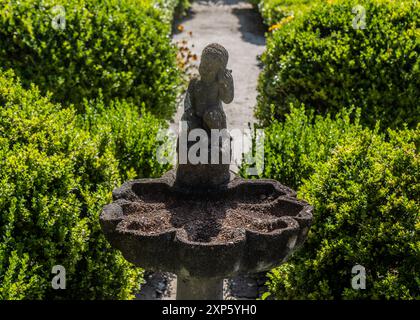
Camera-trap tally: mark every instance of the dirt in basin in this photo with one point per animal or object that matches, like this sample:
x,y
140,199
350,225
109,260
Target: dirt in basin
x,y
202,221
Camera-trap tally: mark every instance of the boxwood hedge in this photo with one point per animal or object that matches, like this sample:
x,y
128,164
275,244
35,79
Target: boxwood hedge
x,y
120,48
366,212
173,8
319,59
294,147
55,176
132,138
273,11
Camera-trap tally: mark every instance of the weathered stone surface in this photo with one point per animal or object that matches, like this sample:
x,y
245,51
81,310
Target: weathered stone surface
x,y
203,110
270,225
200,221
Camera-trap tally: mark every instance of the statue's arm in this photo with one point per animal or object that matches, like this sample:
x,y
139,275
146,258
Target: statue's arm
x,y
226,90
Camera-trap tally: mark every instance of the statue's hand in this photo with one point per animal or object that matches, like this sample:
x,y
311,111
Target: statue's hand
x,y
224,78
225,81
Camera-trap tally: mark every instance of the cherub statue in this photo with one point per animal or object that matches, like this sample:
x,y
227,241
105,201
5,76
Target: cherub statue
x,y
203,102
203,110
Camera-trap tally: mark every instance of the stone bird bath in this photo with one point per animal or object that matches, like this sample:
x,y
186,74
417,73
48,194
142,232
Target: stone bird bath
x,y
200,221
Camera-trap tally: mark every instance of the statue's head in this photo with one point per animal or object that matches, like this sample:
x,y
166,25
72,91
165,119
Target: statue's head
x,y
213,59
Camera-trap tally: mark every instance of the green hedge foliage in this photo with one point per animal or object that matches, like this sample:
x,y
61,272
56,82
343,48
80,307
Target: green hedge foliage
x,y
366,211
120,48
173,8
319,59
273,11
56,173
133,138
293,148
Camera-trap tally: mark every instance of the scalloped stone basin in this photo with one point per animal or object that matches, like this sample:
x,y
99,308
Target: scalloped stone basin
x,y
247,226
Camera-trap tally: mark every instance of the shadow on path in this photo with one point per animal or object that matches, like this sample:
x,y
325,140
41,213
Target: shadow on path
x,y
251,25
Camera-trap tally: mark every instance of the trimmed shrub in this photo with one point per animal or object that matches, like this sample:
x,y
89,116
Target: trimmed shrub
x,y
173,8
55,177
319,59
120,48
132,138
273,11
366,211
293,148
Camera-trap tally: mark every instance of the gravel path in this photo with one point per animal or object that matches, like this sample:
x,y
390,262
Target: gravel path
x,y
235,25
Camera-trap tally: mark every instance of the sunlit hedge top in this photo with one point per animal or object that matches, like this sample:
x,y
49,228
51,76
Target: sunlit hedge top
x,y
273,11
120,47
320,60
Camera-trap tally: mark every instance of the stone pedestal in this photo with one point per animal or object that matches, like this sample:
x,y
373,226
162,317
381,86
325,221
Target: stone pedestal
x,y
199,288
